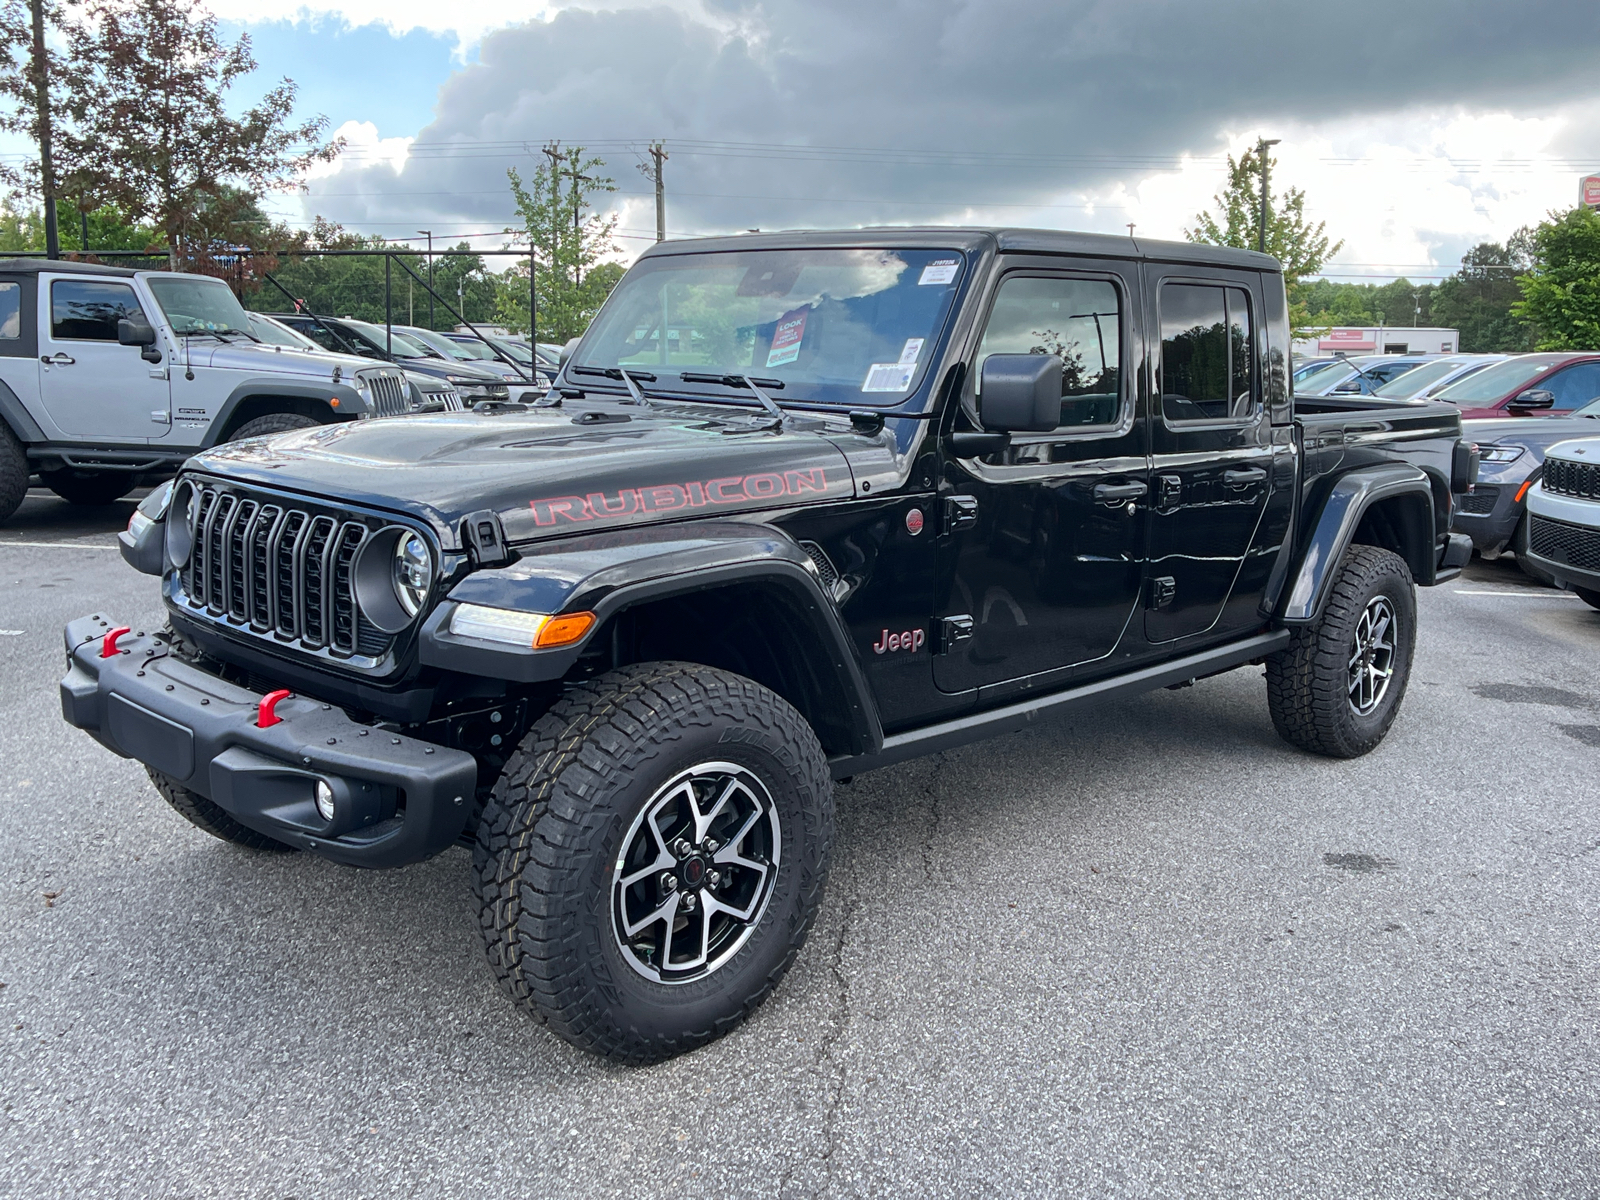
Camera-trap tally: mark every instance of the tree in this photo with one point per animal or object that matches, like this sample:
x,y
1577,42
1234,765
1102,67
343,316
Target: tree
x,y
154,130
1561,289
572,244
1292,239
1477,300
38,88
109,229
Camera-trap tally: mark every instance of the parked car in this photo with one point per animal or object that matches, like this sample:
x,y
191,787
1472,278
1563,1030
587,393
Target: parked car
x,y
1528,385
519,352
521,385
1360,376
1425,381
1304,366
1511,452
109,374
1564,518
471,382
625,641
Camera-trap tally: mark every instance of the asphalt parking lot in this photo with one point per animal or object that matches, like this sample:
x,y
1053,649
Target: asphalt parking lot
x,y
1148,951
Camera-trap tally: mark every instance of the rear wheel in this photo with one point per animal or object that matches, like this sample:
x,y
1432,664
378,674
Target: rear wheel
x,y
652,858
211,817
1337,687
89,488
271,423
13,472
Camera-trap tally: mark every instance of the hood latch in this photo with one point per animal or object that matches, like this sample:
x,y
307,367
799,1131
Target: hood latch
x,y
485,538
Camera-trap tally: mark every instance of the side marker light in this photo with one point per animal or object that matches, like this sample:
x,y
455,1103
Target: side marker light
x,y
564,630
1523,490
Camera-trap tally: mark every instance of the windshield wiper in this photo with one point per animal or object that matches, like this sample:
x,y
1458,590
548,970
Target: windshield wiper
x,y
628,377
216,333
781,418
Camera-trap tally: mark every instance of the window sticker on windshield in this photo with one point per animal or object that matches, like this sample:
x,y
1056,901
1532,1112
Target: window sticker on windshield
x,y
889,377
910,351
786,338
941,270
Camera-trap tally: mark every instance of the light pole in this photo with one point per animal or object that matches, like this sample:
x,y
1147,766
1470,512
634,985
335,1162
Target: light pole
x,y
428,233
1262,145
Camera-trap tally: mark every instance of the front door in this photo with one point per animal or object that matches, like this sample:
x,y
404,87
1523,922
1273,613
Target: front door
x,y
1213,466
93,388
1044,550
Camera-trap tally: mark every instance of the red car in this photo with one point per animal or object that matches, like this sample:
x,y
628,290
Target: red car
x,y
1528,385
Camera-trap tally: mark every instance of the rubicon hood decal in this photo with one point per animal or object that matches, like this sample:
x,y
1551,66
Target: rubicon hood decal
x,y
737,490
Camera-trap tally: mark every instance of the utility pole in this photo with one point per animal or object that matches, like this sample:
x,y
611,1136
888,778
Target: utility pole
x,y
428,233
41,101
659,154
1262,145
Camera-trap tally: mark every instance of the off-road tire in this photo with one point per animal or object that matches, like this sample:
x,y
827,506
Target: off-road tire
x,y
271,423
1308,690
92,489
1589,596
13,472
203,814
1519,547
549,839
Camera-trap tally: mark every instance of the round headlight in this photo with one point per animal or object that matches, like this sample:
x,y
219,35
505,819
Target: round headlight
x,y
180,525
413,572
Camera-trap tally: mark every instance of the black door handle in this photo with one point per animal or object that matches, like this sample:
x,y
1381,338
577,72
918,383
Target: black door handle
x,y
1117,493
1239,478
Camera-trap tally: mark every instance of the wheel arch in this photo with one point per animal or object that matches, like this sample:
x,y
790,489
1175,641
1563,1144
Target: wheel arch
x,y
251,400
1389,506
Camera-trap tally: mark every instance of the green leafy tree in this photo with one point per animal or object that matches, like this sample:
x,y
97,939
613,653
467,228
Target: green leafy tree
x,y
1477,300
109,229
156,132
1561,288
573,245
1302,247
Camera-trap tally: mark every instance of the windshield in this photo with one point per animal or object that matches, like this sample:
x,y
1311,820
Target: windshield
x,y
473,349
437,341
1495,382
1323,377
271,332
1409,383
404,347
835,326
1302,371
195,304
520,354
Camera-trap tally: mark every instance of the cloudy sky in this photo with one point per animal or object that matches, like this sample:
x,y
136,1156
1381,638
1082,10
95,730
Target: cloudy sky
x,y
1417,127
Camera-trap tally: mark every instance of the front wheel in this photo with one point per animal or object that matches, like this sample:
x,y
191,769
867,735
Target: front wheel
x,y
271,423
208,815
1336,688
91,489
652,858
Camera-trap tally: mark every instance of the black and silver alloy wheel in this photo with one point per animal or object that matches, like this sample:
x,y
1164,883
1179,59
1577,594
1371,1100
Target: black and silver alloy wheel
x,y
1337,686
695,873
1372,660
652,857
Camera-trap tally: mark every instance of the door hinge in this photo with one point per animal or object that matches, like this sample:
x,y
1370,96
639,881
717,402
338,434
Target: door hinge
x,y
951,632
1162,590
1169,490
960,512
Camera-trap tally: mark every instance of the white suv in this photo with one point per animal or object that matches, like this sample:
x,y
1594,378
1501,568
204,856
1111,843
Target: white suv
x,y
1564,517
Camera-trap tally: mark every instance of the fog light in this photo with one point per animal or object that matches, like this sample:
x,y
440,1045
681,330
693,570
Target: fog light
x,y
324,800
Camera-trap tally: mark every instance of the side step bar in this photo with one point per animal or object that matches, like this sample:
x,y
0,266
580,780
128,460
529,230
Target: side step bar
x,y
947,735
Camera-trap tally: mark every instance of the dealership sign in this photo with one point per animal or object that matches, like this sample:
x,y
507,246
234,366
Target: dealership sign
x,y
1589,191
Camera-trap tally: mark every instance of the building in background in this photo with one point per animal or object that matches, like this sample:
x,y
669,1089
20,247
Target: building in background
x,y
1379,339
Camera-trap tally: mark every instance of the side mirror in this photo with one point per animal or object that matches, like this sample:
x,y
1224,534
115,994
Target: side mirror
x,y
136,331
1533,398
1348,387
1020,393
566,351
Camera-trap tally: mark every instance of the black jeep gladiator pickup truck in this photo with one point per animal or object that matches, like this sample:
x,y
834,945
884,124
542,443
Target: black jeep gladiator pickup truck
x,y
798,506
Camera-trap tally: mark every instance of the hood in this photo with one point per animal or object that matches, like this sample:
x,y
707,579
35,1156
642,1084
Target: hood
x,y
1520,431
278,360
585,467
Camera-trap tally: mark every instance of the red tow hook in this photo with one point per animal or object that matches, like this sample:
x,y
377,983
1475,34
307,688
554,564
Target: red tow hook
x,y
267,711
108,645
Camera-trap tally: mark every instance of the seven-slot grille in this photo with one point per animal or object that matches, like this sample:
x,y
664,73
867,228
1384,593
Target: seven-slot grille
x,y
279,570
390,397
1567,478
1563,543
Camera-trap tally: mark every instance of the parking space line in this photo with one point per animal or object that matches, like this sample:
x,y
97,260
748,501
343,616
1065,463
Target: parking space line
x,y
1550,595
59,545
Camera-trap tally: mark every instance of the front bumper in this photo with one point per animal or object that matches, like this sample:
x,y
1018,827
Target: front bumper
x,y
397,799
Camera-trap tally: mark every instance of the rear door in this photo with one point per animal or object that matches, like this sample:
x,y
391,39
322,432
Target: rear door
x,y
1212,467
94,389
1046,564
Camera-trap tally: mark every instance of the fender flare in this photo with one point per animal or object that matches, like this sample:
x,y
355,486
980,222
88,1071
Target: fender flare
x,y
16,415
1349,499
608,574
351,405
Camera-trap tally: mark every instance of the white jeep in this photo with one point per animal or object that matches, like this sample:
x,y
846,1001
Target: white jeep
x,y
1564,517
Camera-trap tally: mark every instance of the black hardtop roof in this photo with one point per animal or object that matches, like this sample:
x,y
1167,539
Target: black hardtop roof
x,y
32,266
1012,241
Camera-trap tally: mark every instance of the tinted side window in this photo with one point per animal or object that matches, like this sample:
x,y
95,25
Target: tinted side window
x,y
1207,353
319,335
85,310
1080,321
1575,386
10,311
